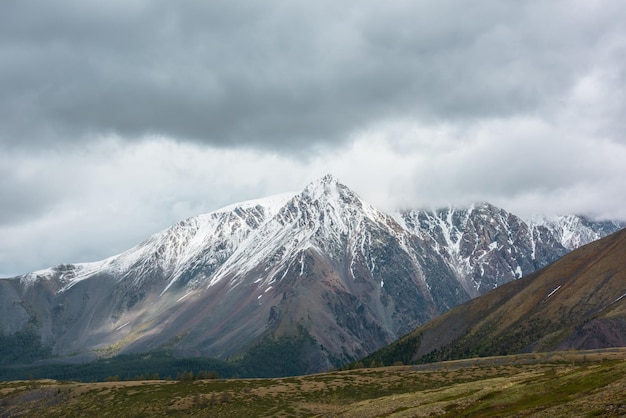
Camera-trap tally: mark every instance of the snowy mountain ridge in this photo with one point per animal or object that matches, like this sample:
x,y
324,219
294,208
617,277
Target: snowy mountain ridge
x,y
471,239
175,247
322,260
227,229
574,231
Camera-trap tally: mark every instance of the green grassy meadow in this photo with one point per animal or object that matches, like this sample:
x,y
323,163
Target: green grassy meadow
x,y
569,384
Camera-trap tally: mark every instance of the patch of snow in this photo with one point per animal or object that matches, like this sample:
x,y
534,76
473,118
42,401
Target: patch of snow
x,y
399,218
122,326
533,242
183,296
553,292
618,299
271,203
301,264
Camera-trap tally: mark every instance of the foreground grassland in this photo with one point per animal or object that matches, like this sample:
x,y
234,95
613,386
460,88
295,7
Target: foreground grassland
x,y
583,384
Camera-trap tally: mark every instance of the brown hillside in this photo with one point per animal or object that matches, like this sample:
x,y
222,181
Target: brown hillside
x,y
578,302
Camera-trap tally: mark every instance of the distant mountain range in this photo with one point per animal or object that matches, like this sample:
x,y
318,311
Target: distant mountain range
x,y
578,302
321,274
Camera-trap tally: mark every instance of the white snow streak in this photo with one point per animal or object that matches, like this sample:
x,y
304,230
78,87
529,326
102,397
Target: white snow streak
x,y
122,326
553,292
184,296
301,264
618,299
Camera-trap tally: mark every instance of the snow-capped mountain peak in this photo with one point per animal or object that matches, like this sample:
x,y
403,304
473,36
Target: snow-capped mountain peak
x,y
576,230
325,216
323,259
271,204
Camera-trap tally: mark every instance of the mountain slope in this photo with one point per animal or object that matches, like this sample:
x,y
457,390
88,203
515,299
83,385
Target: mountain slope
x,y
321,272
578,302
321,263
485,245
327,263
82,308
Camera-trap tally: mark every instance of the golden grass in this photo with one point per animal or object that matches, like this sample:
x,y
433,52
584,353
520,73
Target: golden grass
x,y
554,384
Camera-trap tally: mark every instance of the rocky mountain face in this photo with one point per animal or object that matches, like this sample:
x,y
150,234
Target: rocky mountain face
x,y
578,302
487,246
321,267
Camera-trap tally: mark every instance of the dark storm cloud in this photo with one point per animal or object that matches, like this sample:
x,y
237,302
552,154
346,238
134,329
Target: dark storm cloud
x,y
281,74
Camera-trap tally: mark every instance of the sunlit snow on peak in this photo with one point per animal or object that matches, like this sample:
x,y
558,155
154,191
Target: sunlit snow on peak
x,y
272,203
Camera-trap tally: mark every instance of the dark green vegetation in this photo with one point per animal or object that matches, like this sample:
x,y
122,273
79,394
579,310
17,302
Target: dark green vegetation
x,y
21,347
123,367
576,303
283,356
287,355
557,385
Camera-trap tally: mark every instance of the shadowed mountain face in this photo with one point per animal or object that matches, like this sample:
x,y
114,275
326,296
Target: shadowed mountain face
x,y
487,246
578,302
322,266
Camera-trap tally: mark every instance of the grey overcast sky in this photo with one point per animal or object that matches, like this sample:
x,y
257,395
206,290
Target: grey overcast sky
x,y
120,118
